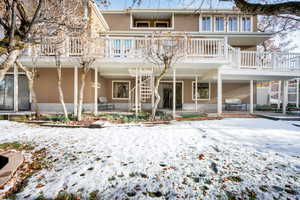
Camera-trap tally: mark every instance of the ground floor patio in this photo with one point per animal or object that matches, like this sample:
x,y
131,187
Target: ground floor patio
x,y
229,158
201,93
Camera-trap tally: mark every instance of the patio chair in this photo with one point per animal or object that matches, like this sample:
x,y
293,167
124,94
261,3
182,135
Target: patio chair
x,y
235,105
104,105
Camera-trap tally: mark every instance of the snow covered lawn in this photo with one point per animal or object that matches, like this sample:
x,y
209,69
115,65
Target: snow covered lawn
x,y
222,159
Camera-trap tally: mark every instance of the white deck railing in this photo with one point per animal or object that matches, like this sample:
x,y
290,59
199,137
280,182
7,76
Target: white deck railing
x,y
269,61
133,48
200,48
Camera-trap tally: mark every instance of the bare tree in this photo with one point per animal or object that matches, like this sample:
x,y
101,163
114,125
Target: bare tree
x,y
31,75
24,21
272,8
59,83
280,27
164,52
85,64
86,60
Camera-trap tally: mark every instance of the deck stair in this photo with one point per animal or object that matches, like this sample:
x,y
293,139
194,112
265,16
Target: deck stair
x,y
142,92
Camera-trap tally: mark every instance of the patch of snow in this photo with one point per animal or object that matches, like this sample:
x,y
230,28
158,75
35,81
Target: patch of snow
x,y
184,160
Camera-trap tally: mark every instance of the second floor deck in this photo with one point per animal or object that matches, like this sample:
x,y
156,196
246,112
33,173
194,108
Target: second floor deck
x,y
199,50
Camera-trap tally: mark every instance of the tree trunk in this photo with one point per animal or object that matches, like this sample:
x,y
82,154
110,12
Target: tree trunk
x,y
156,93
31,76
60,91
81,93
8,62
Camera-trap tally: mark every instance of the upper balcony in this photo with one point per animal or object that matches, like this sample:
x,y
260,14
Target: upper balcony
x,y
265,62
197,50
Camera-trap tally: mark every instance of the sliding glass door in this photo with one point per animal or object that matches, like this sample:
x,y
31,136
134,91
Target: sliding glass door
x,y
24,94
7,93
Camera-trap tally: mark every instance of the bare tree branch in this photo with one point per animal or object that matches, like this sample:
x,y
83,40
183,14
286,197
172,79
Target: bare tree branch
x,y
290,7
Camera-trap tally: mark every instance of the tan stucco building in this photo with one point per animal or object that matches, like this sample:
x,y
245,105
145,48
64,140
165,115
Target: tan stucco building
x,y
221,62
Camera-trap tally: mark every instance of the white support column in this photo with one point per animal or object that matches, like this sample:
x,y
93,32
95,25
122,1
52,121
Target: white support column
x,y
136,92
96,92
174,94
297,93
226,47
251,97
219,96
279,94
75,90
16,89
285,96
196,93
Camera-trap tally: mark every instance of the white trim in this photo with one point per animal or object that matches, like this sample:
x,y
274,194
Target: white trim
x,y
201,20
182,85
237,23
209,91
120,81
241,23
215,20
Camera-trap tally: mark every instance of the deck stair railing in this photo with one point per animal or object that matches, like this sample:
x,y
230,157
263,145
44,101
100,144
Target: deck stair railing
x,y
143,91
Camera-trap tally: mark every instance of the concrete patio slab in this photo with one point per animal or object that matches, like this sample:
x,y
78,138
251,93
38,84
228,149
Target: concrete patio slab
x,y
15,160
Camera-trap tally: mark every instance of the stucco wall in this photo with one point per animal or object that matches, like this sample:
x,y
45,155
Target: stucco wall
x,y
47,91
182,22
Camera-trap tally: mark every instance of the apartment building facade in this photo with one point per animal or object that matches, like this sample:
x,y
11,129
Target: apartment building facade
x,y
222,62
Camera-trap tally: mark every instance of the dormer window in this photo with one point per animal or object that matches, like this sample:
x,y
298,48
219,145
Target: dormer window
x,y
232,24
219,24
246,24
150,20
142,24
161,24
206,23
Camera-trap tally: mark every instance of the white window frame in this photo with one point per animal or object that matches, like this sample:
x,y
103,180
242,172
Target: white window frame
x,y
144,22
215,23
209,91
201,21
162,22
237,23
120,81
241,23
